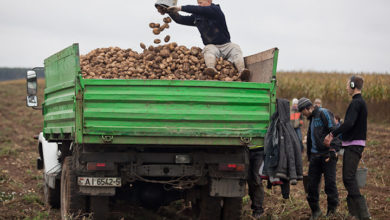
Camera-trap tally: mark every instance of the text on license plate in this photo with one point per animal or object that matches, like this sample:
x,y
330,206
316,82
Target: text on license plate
x,y
100,181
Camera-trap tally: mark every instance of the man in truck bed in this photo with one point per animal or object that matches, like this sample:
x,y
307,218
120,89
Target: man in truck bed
x,y
211,23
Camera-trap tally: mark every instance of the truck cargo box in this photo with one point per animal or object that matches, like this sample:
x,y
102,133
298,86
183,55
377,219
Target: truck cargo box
x,y
161,112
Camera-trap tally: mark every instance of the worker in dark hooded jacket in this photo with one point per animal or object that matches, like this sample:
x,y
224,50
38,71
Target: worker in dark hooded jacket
x,y
322,159
211,23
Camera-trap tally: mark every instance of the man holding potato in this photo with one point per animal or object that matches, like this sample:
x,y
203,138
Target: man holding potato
x,y
211,23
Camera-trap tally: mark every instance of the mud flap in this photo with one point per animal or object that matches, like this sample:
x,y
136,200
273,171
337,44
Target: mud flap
x,y
227,187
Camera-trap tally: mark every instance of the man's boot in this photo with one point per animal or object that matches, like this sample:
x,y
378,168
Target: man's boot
x,y
257,214
315,211
210,61
210,71
331,211
362,209
244,72
352,209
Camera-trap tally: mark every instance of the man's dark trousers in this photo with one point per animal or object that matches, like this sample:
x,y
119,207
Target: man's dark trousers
x,y
351,158
317,167
256,190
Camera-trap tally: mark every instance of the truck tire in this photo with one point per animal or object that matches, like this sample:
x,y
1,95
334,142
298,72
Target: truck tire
x,y
72,204
232,208
209,207
99,207
52,196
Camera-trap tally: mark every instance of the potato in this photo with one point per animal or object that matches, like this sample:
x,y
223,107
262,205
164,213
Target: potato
x,y
167,20
167,38
156,31
164,53
163,27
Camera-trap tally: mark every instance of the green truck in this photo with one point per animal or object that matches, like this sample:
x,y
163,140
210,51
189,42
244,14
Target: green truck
x,y
149,142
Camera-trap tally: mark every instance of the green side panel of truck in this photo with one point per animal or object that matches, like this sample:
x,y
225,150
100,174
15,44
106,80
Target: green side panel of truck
x,y
97,111
59,112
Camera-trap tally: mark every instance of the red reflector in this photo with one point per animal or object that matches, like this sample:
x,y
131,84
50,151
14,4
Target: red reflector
x,y
96,166
231,167
234,166
100,164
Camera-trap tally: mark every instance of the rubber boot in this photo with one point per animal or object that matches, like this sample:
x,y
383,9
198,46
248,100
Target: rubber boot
x,y
210,60
331,211
244,73
257,214
210,71
315,211
362,209
352,209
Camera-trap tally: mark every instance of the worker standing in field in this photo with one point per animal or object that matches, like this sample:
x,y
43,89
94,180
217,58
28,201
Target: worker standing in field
x,y
211,23
318,102
296,119
323,160
354,135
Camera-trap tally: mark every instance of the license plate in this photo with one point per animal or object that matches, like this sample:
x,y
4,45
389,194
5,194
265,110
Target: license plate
x,y
100,181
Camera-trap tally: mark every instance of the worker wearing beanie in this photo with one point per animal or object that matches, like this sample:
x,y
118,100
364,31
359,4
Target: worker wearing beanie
x,y
296,119
354,133
211,23
322,159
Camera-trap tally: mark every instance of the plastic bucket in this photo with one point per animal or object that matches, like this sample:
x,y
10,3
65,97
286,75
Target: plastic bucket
x,y
361,177
166,3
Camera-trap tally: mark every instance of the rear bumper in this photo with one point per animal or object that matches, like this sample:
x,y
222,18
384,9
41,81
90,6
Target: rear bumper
x,y
158,164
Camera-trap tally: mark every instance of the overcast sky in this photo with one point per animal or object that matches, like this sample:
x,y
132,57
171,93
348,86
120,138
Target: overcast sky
x,y
322,35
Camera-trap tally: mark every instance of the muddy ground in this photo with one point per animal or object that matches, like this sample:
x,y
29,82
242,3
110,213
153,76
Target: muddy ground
x,y
21,192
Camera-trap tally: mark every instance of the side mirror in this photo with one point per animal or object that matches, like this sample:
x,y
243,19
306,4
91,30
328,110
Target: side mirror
x,y
32,87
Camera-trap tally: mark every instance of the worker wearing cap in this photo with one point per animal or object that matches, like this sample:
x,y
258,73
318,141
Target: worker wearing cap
x,y
318,102
354,135
211,23
322,159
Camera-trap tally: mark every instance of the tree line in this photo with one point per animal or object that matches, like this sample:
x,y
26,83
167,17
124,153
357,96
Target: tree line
x,y
16,73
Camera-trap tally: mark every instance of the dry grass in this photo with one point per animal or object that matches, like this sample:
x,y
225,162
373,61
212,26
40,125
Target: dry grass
x,y
331,88
19,182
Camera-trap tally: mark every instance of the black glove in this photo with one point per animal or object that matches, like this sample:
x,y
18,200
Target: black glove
x,y
332,155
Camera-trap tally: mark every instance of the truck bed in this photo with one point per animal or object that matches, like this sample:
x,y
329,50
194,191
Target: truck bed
x,y
152,111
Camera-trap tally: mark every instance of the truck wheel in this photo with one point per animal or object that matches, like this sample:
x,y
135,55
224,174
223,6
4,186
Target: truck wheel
x,y
52,196
99,207
72,204
209,207
232,208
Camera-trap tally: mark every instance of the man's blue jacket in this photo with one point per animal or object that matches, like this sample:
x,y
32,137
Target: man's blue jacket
x,y
321,124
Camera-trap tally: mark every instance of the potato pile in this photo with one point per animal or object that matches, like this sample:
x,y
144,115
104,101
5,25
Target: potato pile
x,y
167,62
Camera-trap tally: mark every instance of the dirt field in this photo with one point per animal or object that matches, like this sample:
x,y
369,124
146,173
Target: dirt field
x,y
21,193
